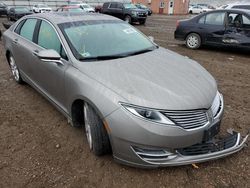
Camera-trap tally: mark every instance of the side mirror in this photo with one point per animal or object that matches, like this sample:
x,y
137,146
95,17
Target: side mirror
x,y
49,56
151,38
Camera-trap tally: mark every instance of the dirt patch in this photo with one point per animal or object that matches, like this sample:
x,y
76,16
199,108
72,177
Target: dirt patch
x,y
39,149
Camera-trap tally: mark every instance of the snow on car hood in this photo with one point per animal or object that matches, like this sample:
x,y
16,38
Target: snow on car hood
x,y
159,79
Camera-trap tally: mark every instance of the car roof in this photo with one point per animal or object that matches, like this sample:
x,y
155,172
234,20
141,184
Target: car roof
x,y
231,10
64,17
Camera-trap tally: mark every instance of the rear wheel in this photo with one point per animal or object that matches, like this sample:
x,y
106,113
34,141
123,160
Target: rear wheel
x,y
193,41
128,19
14,70
97,136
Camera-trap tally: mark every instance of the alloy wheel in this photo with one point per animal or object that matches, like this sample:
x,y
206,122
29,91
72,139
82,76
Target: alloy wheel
x,y
14,69
87,126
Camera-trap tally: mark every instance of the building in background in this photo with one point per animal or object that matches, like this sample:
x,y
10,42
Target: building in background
x,y
166,6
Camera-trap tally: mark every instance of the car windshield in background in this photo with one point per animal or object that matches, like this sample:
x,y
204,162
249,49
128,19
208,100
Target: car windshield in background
x,y
143,6
22,9
105,40
129,6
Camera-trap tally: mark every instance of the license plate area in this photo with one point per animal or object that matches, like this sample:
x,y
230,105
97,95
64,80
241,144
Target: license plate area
x,y
211,132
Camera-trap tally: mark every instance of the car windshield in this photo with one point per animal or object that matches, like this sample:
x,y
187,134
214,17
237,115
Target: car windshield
x,y
98,40
129,6
143,6
22,9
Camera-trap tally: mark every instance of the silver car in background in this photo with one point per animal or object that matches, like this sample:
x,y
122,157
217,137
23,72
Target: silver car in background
x,y
147,105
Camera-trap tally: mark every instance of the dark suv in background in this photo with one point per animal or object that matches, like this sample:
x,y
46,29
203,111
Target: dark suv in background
x,y
3,9
125,11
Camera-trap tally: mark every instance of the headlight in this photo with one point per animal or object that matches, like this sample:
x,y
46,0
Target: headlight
x,y
216,106
134,13
148,114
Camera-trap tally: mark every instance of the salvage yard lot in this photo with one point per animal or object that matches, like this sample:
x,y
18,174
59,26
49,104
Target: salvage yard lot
x,y
39,149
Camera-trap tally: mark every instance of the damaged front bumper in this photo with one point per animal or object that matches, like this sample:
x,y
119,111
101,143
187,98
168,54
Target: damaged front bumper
x,y
209,150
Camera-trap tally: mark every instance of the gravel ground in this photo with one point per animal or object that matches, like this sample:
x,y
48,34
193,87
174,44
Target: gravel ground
x,y
39,149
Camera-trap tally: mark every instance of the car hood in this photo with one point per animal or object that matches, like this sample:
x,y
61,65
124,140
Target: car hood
x,y
159,79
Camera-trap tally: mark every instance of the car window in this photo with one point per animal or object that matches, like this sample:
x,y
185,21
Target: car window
x,y
202,20
48,39
242,7
215,18
120,6
105,5
246,21
113,5
28,28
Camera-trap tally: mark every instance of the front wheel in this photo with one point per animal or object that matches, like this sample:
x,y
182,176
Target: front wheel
x,y
128,19
14,70
143,22
97,136
193,41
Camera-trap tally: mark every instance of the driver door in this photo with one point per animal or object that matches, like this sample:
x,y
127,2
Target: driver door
x,y
49,76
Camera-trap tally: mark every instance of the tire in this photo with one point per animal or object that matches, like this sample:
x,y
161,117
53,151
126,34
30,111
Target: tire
x,y
143,22
193,41
14,70
128,19
190,12
97,136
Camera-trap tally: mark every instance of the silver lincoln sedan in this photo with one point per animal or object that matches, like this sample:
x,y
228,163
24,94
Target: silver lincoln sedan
x,y
147,105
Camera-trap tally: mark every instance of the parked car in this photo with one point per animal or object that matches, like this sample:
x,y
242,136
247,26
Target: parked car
x,y
72,8
149,105
41,8
3,9
17,12
195,9
220,27
84,6
237,5
144,7
206,7
125,11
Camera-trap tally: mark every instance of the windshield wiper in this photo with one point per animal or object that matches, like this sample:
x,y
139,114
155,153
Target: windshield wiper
x,y
106,57
141,51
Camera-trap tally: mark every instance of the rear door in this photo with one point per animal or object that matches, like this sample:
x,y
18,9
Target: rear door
x,y
212,27
237,30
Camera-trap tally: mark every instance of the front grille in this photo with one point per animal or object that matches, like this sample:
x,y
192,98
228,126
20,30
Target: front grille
x,y
142,14
209,147
188,119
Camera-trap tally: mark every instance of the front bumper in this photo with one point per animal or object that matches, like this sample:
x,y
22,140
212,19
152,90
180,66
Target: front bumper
x,y
150,160
138,18
141,143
